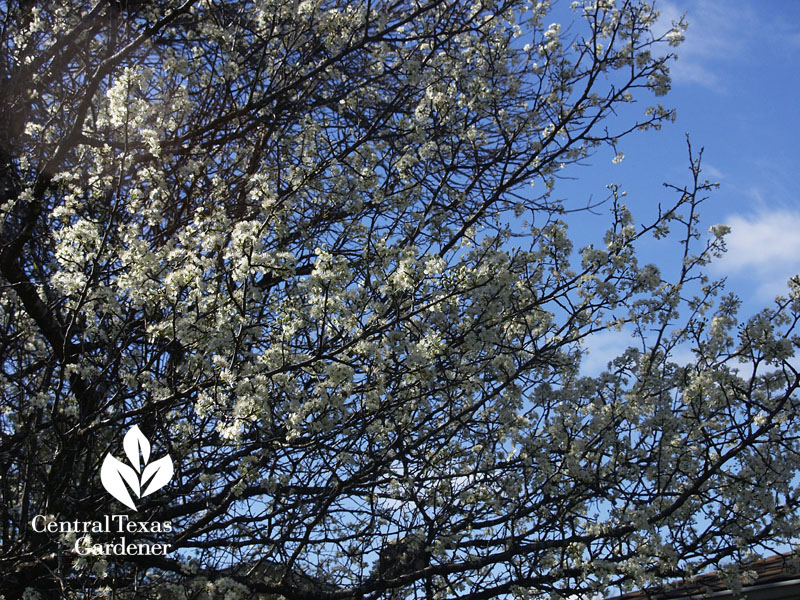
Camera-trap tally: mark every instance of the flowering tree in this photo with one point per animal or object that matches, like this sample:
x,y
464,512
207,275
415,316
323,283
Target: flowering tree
x,y
295,244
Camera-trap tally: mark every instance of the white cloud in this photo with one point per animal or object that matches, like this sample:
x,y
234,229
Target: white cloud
x,y
764,248
603,347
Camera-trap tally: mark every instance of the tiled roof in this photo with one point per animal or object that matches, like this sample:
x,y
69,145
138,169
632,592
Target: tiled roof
x,y
773,570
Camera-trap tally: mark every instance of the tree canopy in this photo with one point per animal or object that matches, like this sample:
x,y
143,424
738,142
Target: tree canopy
x,y
313,251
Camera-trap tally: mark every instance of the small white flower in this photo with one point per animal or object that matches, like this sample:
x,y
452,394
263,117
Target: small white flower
x,y
100,568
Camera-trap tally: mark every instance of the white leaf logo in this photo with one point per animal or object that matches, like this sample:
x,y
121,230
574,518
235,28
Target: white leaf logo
x,y
114,474
135,444
157,474
117,477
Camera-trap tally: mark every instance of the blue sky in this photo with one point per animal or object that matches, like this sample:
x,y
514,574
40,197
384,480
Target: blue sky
x,y
735,87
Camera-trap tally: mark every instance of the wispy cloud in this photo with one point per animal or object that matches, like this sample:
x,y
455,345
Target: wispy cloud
x,y
712,172
722,34
605,346
718,33
764,248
